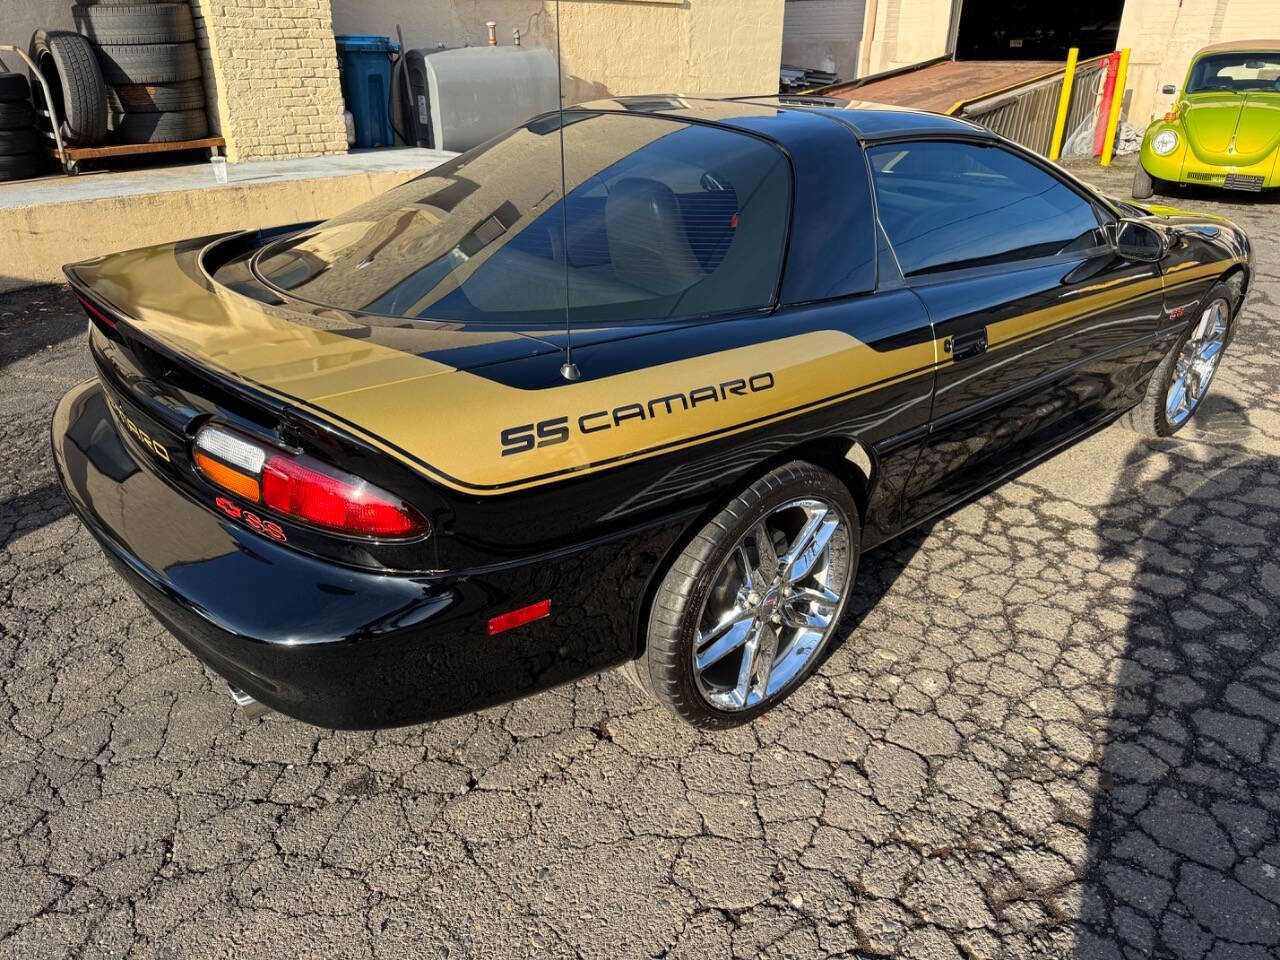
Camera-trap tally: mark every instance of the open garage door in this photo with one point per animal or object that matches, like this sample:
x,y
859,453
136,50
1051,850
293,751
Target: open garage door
x,y
1036,29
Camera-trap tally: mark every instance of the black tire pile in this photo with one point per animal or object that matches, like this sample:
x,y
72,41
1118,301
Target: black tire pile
x,y
147,55
21,144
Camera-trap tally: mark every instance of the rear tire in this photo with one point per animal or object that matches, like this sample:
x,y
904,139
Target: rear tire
x,y
17,115
148,62
783,615
1144,185
148,23
68,63
22,166
1152,416
14,87
160,127
156,97
14,142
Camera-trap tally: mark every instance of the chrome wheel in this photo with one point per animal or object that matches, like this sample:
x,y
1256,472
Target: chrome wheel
x,y
1197,363
772,604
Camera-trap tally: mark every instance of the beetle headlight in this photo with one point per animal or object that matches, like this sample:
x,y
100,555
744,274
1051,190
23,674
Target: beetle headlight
x,y
1164,142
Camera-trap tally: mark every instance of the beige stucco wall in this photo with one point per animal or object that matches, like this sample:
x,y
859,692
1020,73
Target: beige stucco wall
x,y
909,31
274,76
610,47
1164,35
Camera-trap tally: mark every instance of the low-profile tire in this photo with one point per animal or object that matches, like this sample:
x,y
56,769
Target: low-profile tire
x,y
1157,415
67,62
156,97
14,87
146,23
781,595
148,62
22,166
1144,184
160,127
17,115
29,140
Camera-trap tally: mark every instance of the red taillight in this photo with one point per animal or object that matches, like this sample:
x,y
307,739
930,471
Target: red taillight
x,y
95,313
337,501
518,618
302,489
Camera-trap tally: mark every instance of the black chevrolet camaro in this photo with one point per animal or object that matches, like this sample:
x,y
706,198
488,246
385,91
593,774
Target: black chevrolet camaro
x,y
479,436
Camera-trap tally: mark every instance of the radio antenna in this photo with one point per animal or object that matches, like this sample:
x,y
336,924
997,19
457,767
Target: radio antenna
x,y
569,370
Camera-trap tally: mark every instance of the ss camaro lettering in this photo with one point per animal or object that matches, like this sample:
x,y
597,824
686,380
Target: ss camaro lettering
x,y
250,519
547,433
522,438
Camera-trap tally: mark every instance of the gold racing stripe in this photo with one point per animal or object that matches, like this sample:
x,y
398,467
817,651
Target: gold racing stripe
x,y
455,425
452,427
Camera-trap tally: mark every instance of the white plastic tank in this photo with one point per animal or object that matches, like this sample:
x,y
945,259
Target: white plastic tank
x,y
460,98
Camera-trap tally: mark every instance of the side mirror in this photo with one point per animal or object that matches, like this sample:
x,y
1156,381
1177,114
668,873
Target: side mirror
x,y
1168,89
1135,240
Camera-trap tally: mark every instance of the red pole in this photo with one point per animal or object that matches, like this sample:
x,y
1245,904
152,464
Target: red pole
x,y
1108,92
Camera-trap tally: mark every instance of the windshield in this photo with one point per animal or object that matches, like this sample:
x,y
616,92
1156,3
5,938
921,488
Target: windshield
x,y
664,219
1236,72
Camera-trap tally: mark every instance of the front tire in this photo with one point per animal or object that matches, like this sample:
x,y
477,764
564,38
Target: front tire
x,y
1144,185
1182,380
744,613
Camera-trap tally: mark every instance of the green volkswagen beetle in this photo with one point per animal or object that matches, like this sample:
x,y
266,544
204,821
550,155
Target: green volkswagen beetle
x,y
1224,130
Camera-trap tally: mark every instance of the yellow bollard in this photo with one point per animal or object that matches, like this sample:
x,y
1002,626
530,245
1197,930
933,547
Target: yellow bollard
x,y
1064,103
1117,102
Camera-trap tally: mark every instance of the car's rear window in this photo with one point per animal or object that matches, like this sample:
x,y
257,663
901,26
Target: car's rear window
x,y
664,219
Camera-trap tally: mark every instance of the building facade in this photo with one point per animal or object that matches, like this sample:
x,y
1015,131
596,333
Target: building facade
x,y
271,67
863,37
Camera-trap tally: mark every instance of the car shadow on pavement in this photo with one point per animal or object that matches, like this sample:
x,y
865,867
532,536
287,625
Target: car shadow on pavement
x,y
30,511
1184,839
34,319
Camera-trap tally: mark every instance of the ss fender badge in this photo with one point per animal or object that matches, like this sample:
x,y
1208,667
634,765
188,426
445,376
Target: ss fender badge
x,y
548,433
153,447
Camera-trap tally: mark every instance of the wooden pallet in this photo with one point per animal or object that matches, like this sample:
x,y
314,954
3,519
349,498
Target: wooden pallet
x,y
72,156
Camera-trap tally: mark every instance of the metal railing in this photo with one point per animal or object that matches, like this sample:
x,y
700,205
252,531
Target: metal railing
x,y
1025,113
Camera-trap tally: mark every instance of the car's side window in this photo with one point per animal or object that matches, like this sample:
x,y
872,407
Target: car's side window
x,y
950,205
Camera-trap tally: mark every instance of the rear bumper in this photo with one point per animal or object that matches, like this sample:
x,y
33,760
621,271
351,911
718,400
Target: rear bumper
x,y
334,645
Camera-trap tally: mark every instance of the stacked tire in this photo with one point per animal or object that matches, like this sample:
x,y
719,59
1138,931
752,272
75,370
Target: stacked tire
x,y
149,62
21,153
69,66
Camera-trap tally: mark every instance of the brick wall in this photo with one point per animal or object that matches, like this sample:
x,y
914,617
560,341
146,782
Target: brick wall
x,y
271,72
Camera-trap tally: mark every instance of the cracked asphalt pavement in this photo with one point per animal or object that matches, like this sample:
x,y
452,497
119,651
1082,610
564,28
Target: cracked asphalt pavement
x,y
1050,728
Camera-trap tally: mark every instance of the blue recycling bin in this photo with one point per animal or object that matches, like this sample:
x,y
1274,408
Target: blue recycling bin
x,y
364,66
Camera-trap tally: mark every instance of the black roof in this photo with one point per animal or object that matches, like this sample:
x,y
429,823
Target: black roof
x,y
868,121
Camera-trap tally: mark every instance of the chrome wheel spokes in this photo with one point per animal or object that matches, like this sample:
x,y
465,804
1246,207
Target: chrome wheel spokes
x,y
772,604
1197,363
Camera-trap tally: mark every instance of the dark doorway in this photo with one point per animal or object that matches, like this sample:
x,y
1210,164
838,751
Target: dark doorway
x,y
1036,30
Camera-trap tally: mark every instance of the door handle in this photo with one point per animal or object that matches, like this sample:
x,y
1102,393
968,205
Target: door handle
x,y
965,345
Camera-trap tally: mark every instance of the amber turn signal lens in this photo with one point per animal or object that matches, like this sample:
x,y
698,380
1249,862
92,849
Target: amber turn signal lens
x,y
1171,116
220,475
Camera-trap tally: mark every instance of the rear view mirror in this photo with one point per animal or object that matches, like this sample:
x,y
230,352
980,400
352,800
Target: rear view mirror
x,y
1140,241
1168,89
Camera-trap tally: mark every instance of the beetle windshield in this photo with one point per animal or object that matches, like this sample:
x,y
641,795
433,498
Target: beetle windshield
x,y
1236,72
663,219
